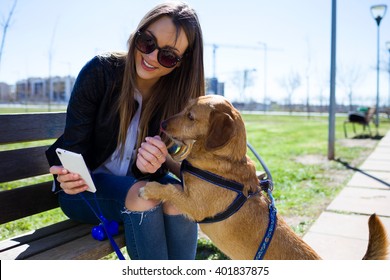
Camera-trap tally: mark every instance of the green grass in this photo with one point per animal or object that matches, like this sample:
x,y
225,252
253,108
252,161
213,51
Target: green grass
x,y
32,109
288,145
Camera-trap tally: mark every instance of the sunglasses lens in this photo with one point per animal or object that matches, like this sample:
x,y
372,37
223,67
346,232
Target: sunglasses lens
x,y
167,58
145,43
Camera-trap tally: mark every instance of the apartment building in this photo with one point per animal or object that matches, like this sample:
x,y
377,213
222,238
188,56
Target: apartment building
x,y
37,90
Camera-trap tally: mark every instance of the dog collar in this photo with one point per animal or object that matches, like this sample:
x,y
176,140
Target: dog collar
x,y
220,182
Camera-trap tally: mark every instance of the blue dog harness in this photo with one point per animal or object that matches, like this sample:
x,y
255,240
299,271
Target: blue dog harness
x,y
238,202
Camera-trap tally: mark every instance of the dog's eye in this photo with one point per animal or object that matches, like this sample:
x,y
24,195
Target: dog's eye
x,y
190,116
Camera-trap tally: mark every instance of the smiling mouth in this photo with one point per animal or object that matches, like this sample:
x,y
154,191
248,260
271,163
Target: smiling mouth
x,y
147,65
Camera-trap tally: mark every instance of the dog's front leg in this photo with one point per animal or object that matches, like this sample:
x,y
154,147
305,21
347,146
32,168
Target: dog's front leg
x,y
169,193
157,191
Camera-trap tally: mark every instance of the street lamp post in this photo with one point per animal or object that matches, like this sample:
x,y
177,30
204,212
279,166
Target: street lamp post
x,y
378,12
388,48
332,95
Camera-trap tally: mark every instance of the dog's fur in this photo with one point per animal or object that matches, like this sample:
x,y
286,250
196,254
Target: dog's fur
x,y
218,134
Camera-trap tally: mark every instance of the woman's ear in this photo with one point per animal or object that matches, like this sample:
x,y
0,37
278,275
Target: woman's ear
x,y
221,130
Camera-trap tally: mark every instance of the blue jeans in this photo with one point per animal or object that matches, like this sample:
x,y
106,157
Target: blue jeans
x,y
150,235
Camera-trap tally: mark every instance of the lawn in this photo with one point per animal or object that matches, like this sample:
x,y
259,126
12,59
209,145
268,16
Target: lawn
x,y
295,150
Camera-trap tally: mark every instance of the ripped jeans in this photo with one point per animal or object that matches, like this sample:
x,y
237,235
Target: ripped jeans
x,y
150,235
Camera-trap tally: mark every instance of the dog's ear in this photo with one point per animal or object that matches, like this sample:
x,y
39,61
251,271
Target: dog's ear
x,y
221,130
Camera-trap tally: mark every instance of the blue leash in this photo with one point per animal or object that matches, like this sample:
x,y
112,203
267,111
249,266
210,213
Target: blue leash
x,y
270,230
268,187
104,224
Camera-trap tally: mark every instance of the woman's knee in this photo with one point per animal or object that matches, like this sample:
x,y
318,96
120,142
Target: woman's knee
x,y
136,203
170,209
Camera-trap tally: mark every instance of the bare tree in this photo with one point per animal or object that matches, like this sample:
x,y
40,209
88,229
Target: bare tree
x,y
307,74
5,28
50,97
347,78
322,98
236,80
290,83
320,95
243,79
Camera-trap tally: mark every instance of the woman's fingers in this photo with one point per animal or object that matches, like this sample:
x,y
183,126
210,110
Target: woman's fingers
x,y
74,187
151,155
71,183
57,169
158,144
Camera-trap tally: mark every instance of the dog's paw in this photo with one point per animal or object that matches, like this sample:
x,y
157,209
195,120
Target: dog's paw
x,y
141,193
150,191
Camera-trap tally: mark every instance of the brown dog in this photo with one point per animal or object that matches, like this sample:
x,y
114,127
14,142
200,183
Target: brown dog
x,y
217,134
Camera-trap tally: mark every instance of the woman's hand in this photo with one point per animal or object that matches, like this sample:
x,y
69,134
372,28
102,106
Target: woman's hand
x,y
71,183
151,155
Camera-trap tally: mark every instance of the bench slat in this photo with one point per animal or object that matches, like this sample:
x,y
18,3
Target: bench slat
x,y
84,248
31,127
26,201
65,240
36,234
23,163
26,250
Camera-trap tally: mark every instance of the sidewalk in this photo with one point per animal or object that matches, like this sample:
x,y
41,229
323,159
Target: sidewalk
x,y
341,231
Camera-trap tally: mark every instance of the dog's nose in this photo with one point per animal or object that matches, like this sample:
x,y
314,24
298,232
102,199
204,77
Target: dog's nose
x,y
163,125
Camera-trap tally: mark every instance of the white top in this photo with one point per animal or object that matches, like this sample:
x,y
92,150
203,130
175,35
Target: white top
x,y
114,164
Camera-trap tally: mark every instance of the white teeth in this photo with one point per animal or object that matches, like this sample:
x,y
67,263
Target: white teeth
x,y
148,65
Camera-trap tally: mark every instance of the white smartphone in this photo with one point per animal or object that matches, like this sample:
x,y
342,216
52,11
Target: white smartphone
x,y
75,163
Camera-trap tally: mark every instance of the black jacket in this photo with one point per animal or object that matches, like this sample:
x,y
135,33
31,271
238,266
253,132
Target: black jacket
x,y
91,129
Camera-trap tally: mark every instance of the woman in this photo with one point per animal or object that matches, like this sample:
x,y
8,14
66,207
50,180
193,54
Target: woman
x,y
113,120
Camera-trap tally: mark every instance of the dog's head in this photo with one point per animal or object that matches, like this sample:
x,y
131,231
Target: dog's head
x,y
212,123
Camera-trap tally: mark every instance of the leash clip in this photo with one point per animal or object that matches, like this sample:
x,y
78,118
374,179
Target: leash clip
x,y
266,185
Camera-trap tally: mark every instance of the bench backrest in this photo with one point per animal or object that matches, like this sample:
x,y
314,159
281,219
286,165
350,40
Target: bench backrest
x,y
370,114
18,162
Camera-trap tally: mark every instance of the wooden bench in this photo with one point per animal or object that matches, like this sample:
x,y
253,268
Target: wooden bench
x,y
63,240
362,119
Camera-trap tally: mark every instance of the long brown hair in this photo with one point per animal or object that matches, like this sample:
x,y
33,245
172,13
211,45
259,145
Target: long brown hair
x,y
172,92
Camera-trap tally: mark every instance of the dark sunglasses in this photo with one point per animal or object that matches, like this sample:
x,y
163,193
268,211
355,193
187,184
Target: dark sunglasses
x,y
146,44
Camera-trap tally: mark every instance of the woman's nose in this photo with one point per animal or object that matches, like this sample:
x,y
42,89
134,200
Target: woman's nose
x,y
153,55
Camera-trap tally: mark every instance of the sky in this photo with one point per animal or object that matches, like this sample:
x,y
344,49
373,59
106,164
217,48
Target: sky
x,y
297,36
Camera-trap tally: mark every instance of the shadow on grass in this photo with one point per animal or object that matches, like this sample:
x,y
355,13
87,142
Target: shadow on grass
x,y
206,250
368,136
